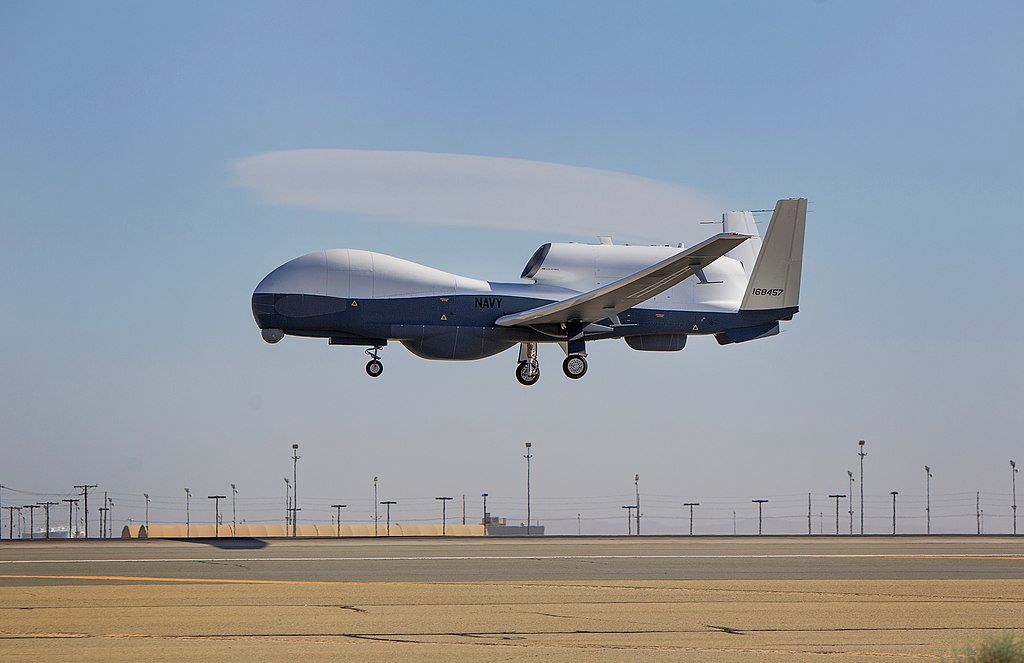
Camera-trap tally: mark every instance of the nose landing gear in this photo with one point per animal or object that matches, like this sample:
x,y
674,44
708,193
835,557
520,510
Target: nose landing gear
x,y
528,368
374,367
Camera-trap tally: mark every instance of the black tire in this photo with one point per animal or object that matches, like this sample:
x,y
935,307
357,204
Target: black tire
x,y
574,366
374,368
522,377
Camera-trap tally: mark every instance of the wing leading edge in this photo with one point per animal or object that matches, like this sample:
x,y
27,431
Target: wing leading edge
x,y
631,290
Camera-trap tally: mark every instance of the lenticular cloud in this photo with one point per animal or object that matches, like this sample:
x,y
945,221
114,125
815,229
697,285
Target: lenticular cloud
x,y
467,190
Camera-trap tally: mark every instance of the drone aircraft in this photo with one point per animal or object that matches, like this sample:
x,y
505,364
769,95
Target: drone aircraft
x,y
732,285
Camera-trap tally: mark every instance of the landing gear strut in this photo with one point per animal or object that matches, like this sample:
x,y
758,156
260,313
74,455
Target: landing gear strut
x,y
528,369
575,366
374,367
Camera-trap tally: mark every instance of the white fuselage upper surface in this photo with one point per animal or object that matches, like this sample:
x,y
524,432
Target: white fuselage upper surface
x,y
567,269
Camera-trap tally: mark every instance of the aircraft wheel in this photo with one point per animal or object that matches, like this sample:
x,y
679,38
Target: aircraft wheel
x,y
527,374
574,366
374,368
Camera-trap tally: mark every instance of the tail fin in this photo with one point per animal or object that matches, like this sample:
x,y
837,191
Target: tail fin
x,y
775,282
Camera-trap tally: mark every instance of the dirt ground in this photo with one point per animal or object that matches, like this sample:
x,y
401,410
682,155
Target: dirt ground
x,y
155,619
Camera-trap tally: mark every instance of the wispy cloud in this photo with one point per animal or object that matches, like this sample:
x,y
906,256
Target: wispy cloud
x,y
467,190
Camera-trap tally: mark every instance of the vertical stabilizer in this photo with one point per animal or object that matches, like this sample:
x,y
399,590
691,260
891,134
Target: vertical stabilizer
x,y
775,282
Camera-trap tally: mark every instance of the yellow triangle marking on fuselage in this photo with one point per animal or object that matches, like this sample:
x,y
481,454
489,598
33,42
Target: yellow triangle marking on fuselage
x,y
354,303
695,328
444,317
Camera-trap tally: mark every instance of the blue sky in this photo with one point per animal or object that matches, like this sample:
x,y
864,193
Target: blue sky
x,y
129,250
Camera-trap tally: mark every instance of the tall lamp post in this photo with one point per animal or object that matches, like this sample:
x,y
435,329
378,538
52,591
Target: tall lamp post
x,y
894,493
387,505
188,521
375,518
1013,479
287,504
636,483
928,498
691,505
444,517
837,497
850,474
234,517
484,519
861,453
71,517
146,495
295,489
528,457
759,503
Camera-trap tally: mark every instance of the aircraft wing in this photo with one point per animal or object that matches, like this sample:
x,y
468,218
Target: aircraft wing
x,y
628,291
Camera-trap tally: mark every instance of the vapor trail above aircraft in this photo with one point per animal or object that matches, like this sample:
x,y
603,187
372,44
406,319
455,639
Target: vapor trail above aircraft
x,y
731,285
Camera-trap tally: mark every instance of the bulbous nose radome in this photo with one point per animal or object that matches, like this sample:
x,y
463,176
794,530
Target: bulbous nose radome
x,y
306,275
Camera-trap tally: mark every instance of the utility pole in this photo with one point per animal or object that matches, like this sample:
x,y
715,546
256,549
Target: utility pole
x,y
484,519
529,456
85,498
1013,478
146,495
216,513
295,489
808,513
850,474
629,518
444,501
759,503
837,497
862,453
691,505
977,510
734,523
10,527
579,525
71,517
387,505
375,518
46,509
636,482
110,516
188,519
103,521
339,507
31,519
234,516
928,497
894,494
463,508
287,504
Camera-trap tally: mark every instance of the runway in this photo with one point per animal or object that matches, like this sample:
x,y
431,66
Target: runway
x,y
704,599
501,559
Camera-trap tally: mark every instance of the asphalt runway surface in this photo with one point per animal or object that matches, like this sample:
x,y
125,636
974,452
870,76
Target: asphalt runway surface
x,y
519,559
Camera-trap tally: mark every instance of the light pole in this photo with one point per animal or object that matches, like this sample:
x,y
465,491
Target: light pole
x,y
629,518
188,520
375,518
387,505
339,507
295,489
636,483
894,494
579,524
691,505
10,527
1013,479
146,495
484,519
71,517
528,456
861,453
977,510
808,513
444,501
928,497
850,474
103,521
759,504
837,497
216,513
110,517
234,521
85,498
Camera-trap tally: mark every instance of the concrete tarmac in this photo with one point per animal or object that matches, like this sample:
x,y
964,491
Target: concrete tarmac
x,y
712,599
504,559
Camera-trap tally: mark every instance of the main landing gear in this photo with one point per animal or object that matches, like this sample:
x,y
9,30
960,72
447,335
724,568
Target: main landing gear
x,y
575,366
528,369
374,367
